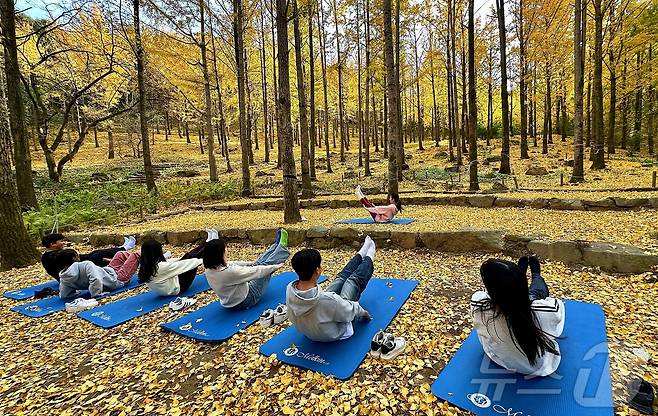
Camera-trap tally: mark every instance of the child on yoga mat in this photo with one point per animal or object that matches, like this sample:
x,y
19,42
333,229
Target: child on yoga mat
x,y
54,243
516,324
382,213
327,315
85,275
241,284
174,276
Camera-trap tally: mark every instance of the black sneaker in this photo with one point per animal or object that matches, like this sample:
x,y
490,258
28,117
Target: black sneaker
x,y
45,292
643,399
376,343
392,346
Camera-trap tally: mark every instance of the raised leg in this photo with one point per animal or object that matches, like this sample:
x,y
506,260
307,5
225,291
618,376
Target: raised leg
x,y
337,285
356,283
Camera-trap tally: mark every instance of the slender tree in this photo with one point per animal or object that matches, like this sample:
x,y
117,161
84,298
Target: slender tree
x,y
238,36
598,159
311,69
472,104
393,97
502,31
579,38
323,58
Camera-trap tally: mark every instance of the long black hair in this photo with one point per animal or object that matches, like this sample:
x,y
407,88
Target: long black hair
x,y
148,262
396,199
508,291
213,254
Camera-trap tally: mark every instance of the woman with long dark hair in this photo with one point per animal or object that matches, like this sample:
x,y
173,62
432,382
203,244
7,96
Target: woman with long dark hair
x,y
380,213
517,324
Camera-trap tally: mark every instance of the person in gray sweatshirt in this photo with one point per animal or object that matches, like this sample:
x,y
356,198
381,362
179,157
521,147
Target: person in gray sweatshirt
x,y
327,315
84,275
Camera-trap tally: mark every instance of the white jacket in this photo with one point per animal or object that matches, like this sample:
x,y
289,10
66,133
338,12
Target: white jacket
x,y
165,281
231,283
499,344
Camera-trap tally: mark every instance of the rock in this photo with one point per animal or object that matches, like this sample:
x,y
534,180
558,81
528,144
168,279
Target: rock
x,y
102,240
601,204
498,186
324,243
492,158
440,155
345,233
373,190
257,205
462,241
76,238
263,236
653,202
317,231
233,233
339,203
260,173
536,171
296,236
179,238
539,203
159,236
378,235
567,204
404,239
101,177
240,207
631,202
187,173
481,201
568,252
459,200
618,258
504,202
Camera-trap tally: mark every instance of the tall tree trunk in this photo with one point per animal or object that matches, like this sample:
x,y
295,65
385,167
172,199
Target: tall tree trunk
x,y
110,143
419,116
143,126
502,32
341,110
311,69
274,80
167,130
650,111
472,104
612,107
436,128
291,212
96,144
548,124
367,126
323,61
238,35
393,96
399,68
27,198
523,94
624,108
359,115
307,188
263,77
220,105
598,161
637,126
579,38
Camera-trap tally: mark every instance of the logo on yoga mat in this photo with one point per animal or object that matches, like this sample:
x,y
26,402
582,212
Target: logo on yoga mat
x,y
101,315
479,399
293,351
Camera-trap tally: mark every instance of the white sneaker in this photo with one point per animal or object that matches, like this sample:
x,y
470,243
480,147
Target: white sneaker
x,y
392,347
167,254
80,304
181,303
212,234
266,318
280,314
129,242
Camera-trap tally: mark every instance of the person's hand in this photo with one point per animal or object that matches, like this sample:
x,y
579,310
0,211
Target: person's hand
x,y
278,266
366,315
106,260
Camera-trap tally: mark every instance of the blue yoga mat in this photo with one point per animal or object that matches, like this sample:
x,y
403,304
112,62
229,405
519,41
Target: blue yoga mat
x,y
214,323
112,314
383,298
43,307
396,221
28,292
580,386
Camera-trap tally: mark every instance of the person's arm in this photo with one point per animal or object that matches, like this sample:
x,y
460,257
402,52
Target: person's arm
x,y
176,267
242,274
240,263
388,210
347,310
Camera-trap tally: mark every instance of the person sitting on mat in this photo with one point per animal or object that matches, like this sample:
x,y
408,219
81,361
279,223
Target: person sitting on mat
x,y
327,315
241,284
516,324
57,242
174,276
85,275
382,213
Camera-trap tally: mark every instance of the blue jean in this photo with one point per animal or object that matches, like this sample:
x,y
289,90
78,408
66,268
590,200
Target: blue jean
x,y
275,254
538,289
353,279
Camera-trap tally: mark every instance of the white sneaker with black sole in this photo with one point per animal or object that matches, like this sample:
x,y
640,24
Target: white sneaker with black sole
x,y
266,318
392,347
181,303
280,314
81,304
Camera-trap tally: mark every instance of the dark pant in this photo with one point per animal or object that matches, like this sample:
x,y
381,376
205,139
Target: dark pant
x,y
186,279
353,279
98,256
367,204
538,289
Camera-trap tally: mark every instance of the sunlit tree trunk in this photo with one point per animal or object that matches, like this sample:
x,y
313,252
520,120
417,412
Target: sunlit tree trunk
x,y
505,151
323,59
341,110
220,105
637,125
472,104
598,161
624,108
238,36
367,124
312,129
393,96
523,94
263,77
579,38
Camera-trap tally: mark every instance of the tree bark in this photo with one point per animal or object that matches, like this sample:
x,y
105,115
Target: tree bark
x,y
263,77
311,69
472,104
598,161
502,32
393,95
110,143
523,94
579,38
341,110
637,126
238,35
624,108
367,124
307,188
323,59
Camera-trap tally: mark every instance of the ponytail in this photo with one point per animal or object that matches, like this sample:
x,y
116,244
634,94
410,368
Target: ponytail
x,y
396,200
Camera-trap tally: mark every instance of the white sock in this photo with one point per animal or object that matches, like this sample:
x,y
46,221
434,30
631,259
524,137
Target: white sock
x,y
365,247
129,242
359,193
212,234
371,251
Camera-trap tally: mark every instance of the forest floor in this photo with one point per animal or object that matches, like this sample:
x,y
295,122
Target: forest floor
x,y
61,364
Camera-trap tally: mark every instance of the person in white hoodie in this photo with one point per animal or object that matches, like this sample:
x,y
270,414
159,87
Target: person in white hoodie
x,y
85,275
242,284
517,324
327,315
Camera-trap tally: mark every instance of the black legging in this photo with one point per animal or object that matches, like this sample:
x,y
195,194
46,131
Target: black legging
x,y
98,256
186,279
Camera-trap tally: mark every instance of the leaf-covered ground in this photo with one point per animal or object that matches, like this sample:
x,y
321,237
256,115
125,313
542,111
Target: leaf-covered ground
x,y
63,365
636,227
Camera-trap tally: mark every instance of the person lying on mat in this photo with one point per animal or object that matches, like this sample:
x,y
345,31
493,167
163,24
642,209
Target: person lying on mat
x,y
382,213
327,315
241,284
85,275
57,242
516,324
174,276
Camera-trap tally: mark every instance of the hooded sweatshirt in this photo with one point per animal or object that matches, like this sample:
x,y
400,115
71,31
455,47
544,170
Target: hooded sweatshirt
x,y
321,316
85,275
231,283
383,213
165,281
499,343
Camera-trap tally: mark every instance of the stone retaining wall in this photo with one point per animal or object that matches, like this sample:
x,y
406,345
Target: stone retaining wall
x,y
479,201
614,258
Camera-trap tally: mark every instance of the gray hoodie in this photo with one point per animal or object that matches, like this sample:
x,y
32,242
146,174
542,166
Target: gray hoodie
x,y
321,316
85,275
